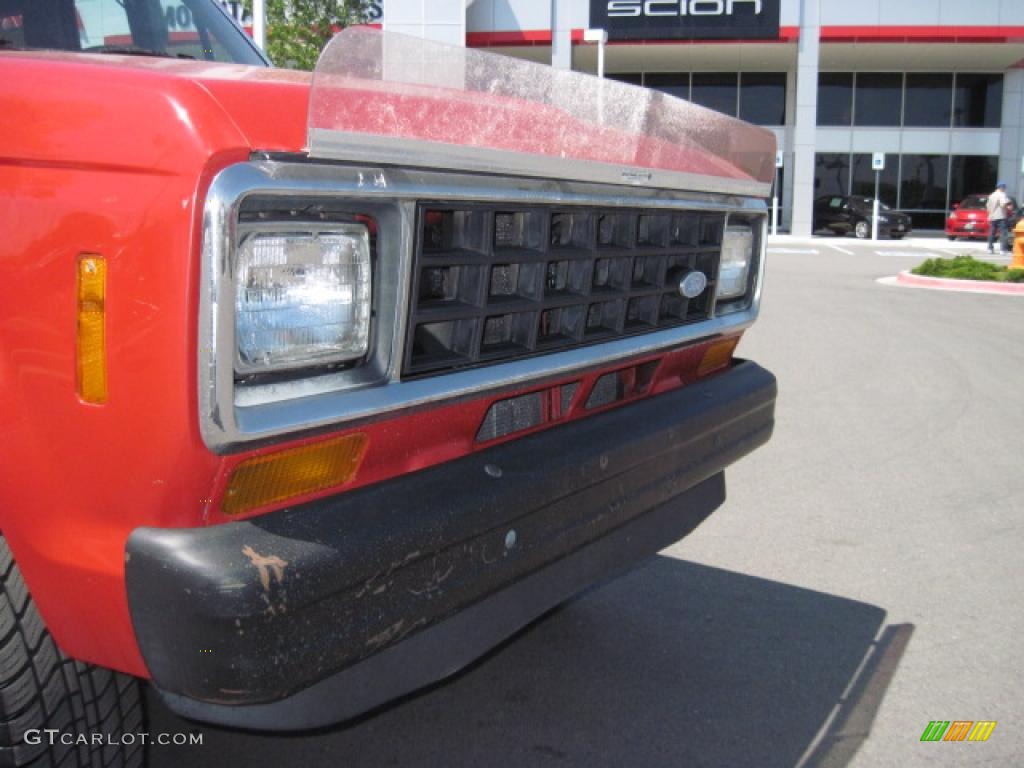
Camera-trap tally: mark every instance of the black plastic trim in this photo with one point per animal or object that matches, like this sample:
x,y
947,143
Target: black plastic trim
x,y
318,613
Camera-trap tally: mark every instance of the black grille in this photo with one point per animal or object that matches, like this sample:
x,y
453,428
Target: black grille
x,y
494,283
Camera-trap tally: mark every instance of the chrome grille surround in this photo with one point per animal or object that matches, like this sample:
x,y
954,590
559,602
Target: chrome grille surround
x,y
234,414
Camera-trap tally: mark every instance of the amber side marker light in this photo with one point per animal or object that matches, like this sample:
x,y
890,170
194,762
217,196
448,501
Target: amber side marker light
x,y
717,356
293,472
92,340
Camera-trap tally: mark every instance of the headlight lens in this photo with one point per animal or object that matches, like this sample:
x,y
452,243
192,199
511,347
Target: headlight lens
x,y
302,298
737,255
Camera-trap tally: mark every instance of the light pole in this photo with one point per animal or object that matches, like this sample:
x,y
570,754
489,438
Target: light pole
x,y
259,23
599,36
780,161
877,165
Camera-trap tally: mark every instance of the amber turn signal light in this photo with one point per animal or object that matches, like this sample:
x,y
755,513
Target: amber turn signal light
x,y
91,350
717,356
293,472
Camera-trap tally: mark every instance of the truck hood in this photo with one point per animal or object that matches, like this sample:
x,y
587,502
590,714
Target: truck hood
x,y
374,98
152,114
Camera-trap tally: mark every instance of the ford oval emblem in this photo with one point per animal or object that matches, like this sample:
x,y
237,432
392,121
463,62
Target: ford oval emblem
x,y
692,284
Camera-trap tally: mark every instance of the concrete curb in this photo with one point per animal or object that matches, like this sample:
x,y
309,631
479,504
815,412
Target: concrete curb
x,y
911,242
962,286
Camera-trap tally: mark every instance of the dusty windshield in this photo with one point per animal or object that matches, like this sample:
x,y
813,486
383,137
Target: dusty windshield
x,y
391,98
188,29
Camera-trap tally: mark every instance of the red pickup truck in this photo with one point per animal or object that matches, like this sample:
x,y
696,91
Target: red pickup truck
x,y
316,388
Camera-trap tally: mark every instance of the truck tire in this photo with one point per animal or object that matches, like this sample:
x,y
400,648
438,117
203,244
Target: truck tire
x,y
42,688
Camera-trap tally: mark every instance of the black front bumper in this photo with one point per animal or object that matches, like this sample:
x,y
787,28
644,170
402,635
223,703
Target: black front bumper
x,y
315,614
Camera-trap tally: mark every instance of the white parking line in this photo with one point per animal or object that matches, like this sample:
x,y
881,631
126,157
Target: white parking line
x,y
841,250
959,246
803,251
908,253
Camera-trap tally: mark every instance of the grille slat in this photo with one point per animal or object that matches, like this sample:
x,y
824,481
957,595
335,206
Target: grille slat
x,y
494,283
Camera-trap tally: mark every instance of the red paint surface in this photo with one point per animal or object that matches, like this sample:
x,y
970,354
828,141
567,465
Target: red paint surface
x,y
971,286
112,156
787,34
531,37
515,37
922,34
424,439
956,221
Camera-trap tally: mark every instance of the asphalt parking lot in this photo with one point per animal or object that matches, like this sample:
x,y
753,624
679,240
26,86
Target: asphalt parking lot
x,y
857,584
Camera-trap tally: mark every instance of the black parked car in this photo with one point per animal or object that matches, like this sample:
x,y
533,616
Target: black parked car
x,y
842,215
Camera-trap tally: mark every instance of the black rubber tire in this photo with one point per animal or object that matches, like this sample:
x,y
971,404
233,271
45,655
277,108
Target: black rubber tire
x,y
42,688
862,233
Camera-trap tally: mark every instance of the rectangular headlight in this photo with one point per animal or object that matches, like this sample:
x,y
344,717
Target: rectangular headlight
x,y
302,297
737,256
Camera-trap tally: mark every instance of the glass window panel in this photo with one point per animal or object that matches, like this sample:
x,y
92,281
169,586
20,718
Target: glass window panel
x,y
633,78
928,220
979,101
863,178
923,182
878,98
835,98
972,175
715,90
191,29
673,83
929,100
763,98
831,174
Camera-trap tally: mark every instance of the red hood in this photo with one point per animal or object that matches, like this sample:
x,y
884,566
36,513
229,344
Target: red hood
x,y
157,115
269,106
969,214
172,116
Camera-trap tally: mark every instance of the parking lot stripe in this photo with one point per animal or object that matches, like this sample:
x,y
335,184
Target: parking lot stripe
x,y
841,250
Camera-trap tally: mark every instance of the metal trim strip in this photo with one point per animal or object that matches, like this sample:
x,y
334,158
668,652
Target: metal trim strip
x,y
417,153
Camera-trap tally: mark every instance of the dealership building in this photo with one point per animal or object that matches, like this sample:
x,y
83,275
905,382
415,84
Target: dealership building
x,y
935,85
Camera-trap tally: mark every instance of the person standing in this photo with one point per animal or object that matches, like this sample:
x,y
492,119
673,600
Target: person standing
x,y
996,207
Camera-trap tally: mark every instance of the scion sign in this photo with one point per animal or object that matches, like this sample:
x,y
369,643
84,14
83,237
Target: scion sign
x,y
686,19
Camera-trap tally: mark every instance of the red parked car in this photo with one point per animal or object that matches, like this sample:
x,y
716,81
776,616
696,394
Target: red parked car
x,y
969,219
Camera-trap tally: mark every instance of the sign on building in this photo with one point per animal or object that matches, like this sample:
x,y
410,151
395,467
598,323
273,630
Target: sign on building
x,y
686,19
235,8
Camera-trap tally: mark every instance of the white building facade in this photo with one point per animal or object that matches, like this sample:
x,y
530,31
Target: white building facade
x,y
937,85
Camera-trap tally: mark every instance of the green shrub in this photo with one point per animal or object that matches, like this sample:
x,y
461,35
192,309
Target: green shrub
x,y
968,268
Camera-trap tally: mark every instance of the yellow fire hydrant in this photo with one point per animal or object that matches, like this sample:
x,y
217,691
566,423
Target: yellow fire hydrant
x,y
1018,246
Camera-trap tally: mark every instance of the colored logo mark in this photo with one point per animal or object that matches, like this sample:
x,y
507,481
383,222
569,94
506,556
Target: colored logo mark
x,y
958,730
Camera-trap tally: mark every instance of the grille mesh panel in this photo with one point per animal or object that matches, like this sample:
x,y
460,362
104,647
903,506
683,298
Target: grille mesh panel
x,y
495,283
